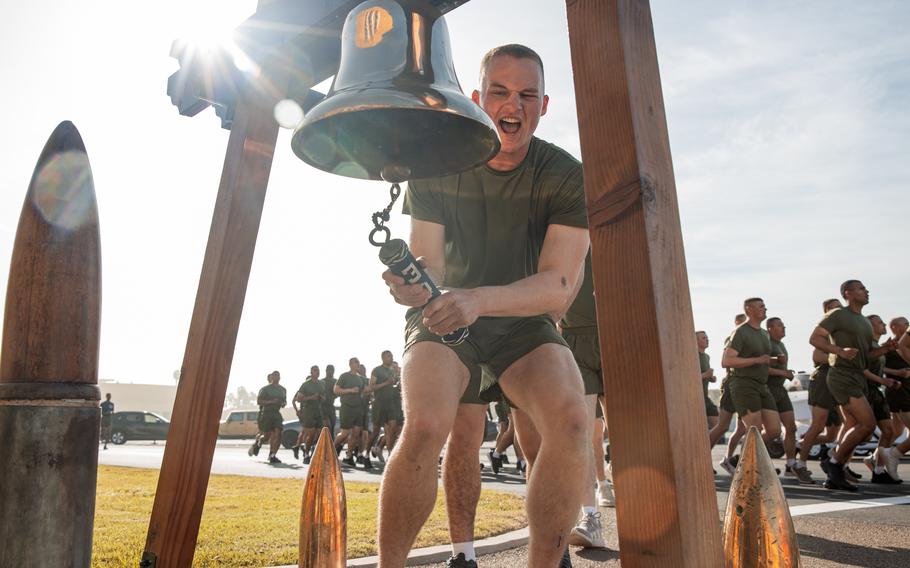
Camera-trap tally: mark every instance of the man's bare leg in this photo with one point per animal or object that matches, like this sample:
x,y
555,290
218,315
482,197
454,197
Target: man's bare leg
x,y
816,427
433,380
789,423
560,417
733,442
461,476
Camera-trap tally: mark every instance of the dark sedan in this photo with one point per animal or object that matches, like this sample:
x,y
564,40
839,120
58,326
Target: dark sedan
x,y
138,426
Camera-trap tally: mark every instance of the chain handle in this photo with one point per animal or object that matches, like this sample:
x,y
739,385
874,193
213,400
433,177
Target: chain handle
x,y
380,218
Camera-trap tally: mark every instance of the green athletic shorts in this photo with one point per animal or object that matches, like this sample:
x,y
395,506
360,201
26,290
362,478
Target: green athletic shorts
x,y
351,417
471,394
585,346
269,419
845,385
819,395
493,345
310,418
878,403
383,411
750,396
899,399
710,407
726,401
781,398
399,411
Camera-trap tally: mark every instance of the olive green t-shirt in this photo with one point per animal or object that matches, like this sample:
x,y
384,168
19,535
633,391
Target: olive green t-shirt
x,y
495,222
310,388
349,381
849,329
876,366
704,363
750,342
273,391
893,360
777,348
383,375
328,392
582,312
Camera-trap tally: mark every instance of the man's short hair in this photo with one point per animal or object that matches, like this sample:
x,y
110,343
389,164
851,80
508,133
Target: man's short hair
x,y
748,301
740,318
700,331
515,50
386,351
876,316
274,374
828,302
773,321
327,367
899,320
847,285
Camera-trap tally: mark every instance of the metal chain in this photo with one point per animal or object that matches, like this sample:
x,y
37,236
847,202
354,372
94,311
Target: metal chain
x,y
380,218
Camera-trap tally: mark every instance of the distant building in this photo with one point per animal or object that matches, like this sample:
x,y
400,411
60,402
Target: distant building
x,y
138,396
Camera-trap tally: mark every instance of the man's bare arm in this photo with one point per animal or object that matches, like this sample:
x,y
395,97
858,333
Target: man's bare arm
x,y
903,347
732,360
820,339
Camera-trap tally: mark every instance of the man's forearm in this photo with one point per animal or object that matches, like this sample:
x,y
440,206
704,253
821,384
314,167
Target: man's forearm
x,y
823,344
778,372
541,293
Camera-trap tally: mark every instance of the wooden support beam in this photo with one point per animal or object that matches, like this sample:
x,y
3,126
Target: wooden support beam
x,y
174,524
666,506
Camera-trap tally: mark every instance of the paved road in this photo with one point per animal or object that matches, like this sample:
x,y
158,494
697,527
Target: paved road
x,y
835,528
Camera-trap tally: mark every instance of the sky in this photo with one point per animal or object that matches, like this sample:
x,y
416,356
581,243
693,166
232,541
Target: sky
x,y
789,128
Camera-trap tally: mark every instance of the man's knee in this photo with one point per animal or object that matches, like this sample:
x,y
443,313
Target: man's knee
x,y
424,431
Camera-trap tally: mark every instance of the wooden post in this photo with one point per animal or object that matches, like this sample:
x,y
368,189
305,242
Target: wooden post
x,y
49,415
666,505
187,462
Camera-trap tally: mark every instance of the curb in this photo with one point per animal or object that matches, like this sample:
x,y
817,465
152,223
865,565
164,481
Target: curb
x,y
442,552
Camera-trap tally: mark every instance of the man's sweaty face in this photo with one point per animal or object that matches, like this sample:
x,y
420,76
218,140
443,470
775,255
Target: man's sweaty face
x,y
513,98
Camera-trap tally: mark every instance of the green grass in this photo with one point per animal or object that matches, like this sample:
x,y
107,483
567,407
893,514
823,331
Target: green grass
x,y
252,521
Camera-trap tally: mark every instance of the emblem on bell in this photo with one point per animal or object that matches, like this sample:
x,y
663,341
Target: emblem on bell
x,y
395,110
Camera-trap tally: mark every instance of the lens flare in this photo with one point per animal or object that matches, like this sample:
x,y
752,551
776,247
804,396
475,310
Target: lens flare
x,y
63,190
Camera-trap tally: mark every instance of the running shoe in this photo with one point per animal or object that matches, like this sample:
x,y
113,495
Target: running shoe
x,y
566,560
460,562
349,461
851,475
884,479
274,460
803,475
604,495
254,450
836,479
589,532
892,459
495,463
296,450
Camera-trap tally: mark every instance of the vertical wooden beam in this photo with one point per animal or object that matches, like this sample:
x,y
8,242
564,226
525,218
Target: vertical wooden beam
x,y
174,525
666,505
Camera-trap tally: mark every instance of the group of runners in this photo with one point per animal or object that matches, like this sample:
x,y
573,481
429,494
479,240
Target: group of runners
x,y
860,382
369,417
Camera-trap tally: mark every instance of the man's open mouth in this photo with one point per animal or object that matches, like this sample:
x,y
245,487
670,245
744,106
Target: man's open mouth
x,y
510,125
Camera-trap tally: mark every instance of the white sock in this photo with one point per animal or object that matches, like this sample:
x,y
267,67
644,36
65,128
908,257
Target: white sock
x,y
466,548
496,454
879,469
588,510
791,462
833,460
801,464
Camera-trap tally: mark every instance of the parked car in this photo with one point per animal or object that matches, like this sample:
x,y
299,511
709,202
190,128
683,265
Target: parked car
x,y
239,424
132,425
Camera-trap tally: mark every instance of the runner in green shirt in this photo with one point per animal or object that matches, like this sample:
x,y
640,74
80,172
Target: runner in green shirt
x,y
726,412
349,388
748,356
271,399
879,462
899,400
707,376
309,412
847,338
382,381
777,374
328,399
507,241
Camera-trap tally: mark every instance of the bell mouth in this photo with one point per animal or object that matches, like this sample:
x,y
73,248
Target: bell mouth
x,y
398,133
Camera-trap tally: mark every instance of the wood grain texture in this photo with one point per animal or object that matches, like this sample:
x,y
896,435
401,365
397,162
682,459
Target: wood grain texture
x,y
177,510
52,318
666,505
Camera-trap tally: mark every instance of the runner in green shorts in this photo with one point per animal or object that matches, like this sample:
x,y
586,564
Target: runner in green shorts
x,y
271,399
823,409
328,399
349,388
382,381
506,240
726,412
748,355
878,462
846,335
777,374
707,376
309,412
897,365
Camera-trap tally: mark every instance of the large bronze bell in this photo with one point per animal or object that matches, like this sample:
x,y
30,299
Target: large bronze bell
x,y
395,110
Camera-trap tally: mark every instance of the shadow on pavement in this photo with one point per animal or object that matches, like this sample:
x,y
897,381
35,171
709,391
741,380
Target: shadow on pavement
x,y
842,553
597,554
